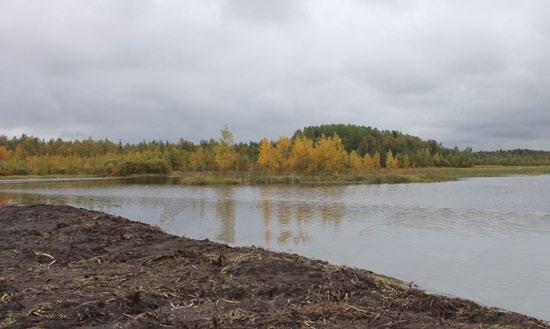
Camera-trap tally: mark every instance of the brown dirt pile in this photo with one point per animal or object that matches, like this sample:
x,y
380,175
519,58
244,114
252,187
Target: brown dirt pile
x,y
63,267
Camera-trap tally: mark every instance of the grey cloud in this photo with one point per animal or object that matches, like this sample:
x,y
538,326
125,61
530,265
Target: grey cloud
x,y
468,73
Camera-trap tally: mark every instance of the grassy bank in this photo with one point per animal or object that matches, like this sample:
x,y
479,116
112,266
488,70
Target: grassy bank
x,y
492,171
383,176
414,175
64,267
379,177
18,177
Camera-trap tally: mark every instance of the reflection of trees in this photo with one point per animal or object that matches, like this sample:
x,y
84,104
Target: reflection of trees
x,y
299,237
225,212
289,215
266,216
332,214
304,212
284,213
302,237
284,236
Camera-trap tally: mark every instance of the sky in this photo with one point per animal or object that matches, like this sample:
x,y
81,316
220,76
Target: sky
x,y
466,73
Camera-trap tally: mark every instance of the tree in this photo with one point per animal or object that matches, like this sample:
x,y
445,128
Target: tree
x,y
376,160
356,162
332,155
391,162
403,160
424,158
198,160
299,152
4,153
314,160
368,164
225,156
266,155
436,159
226,136
281,154
20,152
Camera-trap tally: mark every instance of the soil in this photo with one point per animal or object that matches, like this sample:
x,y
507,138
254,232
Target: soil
x,y
63,267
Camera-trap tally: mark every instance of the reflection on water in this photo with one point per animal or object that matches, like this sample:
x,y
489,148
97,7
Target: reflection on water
x,y
225,212
487,239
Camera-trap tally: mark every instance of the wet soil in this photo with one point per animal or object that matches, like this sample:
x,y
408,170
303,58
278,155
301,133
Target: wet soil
x,y
63,267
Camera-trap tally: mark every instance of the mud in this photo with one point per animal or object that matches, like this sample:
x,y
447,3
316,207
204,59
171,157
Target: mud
x,y
63,267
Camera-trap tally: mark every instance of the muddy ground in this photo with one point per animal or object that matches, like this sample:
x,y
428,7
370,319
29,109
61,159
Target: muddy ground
x,y
63,267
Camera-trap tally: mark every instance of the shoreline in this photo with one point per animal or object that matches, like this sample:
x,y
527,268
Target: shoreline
x,y
70,267
398,176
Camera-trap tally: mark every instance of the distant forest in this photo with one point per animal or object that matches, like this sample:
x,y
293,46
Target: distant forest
x,y
315,150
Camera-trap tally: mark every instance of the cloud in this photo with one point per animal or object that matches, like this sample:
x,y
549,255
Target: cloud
x,y
468,73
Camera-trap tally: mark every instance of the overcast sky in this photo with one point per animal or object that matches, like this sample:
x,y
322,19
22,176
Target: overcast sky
x,y
466,73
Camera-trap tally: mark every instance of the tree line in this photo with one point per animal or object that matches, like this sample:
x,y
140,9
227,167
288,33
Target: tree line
x,y
315,150
518,157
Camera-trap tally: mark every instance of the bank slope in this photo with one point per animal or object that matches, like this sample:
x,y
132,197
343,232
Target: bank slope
x,y
64,267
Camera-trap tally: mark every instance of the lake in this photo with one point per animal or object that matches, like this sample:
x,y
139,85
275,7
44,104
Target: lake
x,y
485,239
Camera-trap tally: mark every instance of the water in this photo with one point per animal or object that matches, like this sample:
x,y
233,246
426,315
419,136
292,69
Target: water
x,y
486,239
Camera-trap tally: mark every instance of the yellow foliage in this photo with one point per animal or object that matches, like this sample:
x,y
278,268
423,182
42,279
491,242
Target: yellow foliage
x,y
313,160
266,155
299,153
281,154
391,161
332,155
198,159
368,163
225,157
356,162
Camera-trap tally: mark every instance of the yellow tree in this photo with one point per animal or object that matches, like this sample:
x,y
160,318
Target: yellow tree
x,y
332,155
391,162
198,159
266,155
356,162
298,157
281,154
313,159
225,156
368,164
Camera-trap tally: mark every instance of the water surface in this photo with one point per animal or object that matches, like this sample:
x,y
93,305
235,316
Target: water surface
x,y
486,239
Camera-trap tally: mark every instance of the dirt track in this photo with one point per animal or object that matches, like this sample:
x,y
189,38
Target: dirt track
x,y
63,267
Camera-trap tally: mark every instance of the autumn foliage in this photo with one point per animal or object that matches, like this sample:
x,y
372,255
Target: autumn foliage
x,y
302,155
332,150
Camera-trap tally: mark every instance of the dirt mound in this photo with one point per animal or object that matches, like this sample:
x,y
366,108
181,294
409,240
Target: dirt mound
x,y
64,267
